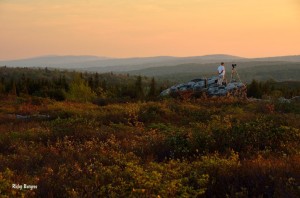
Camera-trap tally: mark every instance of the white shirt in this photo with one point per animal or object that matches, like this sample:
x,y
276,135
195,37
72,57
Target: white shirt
x,y
220,69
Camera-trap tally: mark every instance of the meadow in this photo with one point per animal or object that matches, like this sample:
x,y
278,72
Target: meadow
x,y
71,134
217,147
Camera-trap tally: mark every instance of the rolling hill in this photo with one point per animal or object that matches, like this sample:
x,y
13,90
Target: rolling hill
x,y
52,61
173,68
259,70
102,64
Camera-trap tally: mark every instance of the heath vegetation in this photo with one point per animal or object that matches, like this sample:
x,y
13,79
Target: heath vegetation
x,y
101,144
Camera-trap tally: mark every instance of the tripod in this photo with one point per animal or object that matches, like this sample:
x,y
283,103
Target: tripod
x,y
234,72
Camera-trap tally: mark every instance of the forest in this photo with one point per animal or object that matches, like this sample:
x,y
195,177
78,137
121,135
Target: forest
x,y
75,134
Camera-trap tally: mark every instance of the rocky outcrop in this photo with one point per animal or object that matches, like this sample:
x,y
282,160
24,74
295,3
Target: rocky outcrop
x,y
207,87
295,99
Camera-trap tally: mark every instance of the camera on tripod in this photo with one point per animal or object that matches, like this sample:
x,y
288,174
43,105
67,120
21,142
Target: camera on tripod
x,y
234,72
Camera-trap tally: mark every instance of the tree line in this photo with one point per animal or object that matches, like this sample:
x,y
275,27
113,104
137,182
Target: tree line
x,y
100,88
273,89
78,86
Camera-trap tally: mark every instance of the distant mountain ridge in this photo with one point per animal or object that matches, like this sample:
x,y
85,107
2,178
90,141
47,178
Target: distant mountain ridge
x,y
51,61
94,61
128,64
248,70
169,67
102,62
292,58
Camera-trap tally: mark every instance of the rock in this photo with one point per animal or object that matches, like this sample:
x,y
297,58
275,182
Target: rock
x,y
198,87
283,100
21,117
166,92
295,99
183,88
27,117
201,84
231,86
198,80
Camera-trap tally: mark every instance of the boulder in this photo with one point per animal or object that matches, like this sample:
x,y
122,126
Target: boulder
x,y
207,86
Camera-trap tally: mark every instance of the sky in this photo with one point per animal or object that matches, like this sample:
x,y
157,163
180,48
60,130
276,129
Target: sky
x,y
140,28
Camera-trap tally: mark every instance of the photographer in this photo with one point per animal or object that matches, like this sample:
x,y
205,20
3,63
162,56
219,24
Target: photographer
x,y
221,72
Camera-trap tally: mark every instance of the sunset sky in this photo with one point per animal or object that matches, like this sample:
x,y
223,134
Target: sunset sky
x,y
138,28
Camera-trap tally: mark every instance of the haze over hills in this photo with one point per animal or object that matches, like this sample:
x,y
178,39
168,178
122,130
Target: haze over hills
x,y
259,70
105,64
172,68
295,58
52,61
113,64
131,64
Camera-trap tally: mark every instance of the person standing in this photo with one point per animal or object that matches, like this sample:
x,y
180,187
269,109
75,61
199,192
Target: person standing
x,y
221,72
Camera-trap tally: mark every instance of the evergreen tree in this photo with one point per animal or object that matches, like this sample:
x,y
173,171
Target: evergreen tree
x,y
91,82
96,80
64,83
139,88
104,85
2,88
13,90
81,75
152,91
3,85
254,89
23,84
